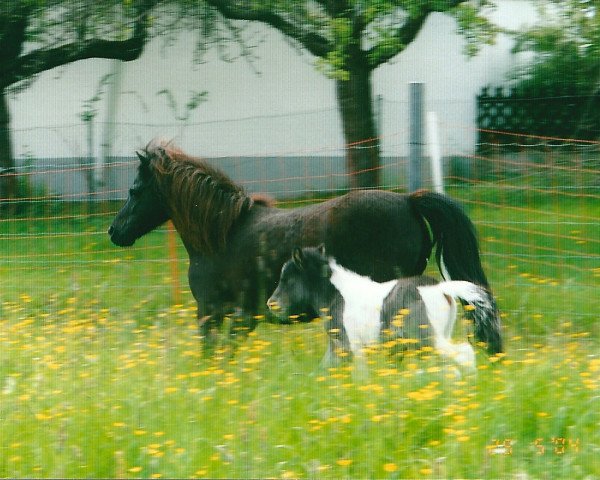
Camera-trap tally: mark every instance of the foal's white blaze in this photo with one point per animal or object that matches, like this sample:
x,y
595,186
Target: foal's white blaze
x,y
363,299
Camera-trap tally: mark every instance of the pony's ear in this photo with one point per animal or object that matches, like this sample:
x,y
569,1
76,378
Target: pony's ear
x,y
144,159
321,249
298,258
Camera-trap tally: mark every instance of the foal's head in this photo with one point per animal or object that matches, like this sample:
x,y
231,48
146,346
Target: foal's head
x,y
304,284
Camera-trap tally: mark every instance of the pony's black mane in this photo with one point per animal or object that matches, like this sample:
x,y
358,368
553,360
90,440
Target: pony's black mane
x,y
203,202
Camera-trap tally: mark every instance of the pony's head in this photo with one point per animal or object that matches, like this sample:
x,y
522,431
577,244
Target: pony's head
x,y
202,201
144,209
304,285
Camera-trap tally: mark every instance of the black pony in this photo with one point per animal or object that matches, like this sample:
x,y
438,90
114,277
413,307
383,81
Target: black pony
x,y
237,243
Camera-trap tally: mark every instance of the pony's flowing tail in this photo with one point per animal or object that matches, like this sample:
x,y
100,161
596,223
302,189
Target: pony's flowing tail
x,y
457,255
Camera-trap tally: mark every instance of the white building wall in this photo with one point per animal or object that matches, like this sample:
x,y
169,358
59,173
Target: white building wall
x,y
287,109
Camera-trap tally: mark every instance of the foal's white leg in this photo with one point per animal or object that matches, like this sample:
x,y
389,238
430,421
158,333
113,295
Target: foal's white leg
x,y
465,355
450,319
327,360
361,370
441,313
331,359
462,353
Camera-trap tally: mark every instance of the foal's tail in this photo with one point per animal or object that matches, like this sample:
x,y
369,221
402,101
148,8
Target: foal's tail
x,y
483,310
457,255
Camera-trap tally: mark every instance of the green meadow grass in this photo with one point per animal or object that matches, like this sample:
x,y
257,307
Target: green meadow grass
x,y
101,373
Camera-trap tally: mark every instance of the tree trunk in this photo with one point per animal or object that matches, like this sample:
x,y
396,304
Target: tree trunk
x,y
355,101
8,181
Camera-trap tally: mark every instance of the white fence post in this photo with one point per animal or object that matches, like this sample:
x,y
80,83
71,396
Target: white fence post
x,y
433,142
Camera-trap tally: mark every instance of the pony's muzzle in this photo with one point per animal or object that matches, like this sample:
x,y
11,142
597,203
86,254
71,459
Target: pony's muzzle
x,y
117,237
273,305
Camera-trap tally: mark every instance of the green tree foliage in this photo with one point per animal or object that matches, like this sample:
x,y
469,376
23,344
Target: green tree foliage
x,y
565,47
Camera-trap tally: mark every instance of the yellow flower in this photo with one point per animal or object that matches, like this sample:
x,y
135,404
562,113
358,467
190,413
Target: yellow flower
x,y
390,467
344,462
25,298
398,321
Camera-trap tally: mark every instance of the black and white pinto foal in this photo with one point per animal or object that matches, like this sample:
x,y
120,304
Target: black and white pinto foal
x,y
403,314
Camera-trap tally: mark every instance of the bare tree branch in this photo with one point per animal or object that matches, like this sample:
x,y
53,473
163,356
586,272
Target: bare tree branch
x,y
37,61
405,34
335,8
314,43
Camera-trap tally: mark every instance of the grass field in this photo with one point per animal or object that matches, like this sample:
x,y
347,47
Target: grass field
x,y
101,373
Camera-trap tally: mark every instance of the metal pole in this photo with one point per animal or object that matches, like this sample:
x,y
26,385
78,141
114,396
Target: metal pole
x,y
379,114
416,136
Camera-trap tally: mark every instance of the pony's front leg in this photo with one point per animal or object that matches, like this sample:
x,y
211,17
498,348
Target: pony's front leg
x,y
242,325
209,326
250,310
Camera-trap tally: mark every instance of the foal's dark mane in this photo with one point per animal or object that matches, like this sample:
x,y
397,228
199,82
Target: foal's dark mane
x,y
203,202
